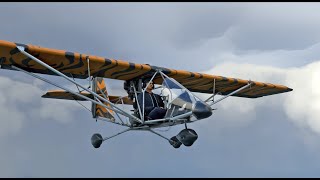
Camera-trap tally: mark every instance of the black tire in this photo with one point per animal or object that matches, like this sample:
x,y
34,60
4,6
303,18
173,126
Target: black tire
x,y
175,142
187,137
96,140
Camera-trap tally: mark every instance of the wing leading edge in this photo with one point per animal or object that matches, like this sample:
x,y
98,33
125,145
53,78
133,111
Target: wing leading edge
x,y
76,65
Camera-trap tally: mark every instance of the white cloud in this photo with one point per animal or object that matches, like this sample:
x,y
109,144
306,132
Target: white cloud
x,y
21,102
302,105
59,110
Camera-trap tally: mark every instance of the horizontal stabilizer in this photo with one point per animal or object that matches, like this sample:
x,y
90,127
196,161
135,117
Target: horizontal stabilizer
x,y
61,94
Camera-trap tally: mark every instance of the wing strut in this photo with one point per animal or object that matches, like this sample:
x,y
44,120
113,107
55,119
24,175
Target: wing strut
x,y
89,74
214,91
232,93
22,50
66,89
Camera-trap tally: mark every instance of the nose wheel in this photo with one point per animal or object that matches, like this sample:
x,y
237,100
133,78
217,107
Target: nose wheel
x,y
186,137
175,142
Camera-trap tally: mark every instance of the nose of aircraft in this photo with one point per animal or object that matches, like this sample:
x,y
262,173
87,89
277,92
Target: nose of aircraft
x,y
201,110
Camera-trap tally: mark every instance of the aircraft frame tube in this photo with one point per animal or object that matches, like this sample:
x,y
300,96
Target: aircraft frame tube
x,y
107,109
159,134
21,49
180,85
66,89
135,94
143,90
249,84
106,138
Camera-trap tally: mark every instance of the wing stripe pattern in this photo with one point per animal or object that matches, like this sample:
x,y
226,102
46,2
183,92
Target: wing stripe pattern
x,y
75,65
71,59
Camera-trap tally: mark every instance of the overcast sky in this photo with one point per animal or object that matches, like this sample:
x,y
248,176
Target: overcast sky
x,y
273,136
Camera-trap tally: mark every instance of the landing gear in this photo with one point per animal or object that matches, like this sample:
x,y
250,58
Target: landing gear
x,y
175,142
96,140
186,137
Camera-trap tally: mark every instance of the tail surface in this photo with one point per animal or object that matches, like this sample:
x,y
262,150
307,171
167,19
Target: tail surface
x,y
99,87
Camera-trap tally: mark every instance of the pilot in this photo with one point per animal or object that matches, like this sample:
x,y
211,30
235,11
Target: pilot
x,y
153,103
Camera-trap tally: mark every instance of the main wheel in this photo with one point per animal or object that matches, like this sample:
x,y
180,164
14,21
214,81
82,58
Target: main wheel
x,y
175,142
96,140
187,137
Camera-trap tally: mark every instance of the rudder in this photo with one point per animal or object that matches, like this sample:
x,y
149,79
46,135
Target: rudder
x,y
99,87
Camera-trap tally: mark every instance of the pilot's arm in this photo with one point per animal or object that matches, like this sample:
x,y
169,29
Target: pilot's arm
x,y
160,101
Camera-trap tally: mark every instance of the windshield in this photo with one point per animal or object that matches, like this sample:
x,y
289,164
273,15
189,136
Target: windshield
x,y
179,99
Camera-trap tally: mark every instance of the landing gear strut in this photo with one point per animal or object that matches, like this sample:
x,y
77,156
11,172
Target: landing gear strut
x,y
186,137
97,140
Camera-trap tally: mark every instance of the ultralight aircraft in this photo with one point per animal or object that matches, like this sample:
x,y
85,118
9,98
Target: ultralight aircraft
x,y
177,87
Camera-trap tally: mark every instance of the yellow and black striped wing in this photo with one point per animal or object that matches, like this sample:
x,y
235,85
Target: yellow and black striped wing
x,y
68,62
75,65
204,83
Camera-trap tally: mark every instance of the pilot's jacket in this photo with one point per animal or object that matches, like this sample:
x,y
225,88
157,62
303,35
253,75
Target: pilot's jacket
x,y
150,101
